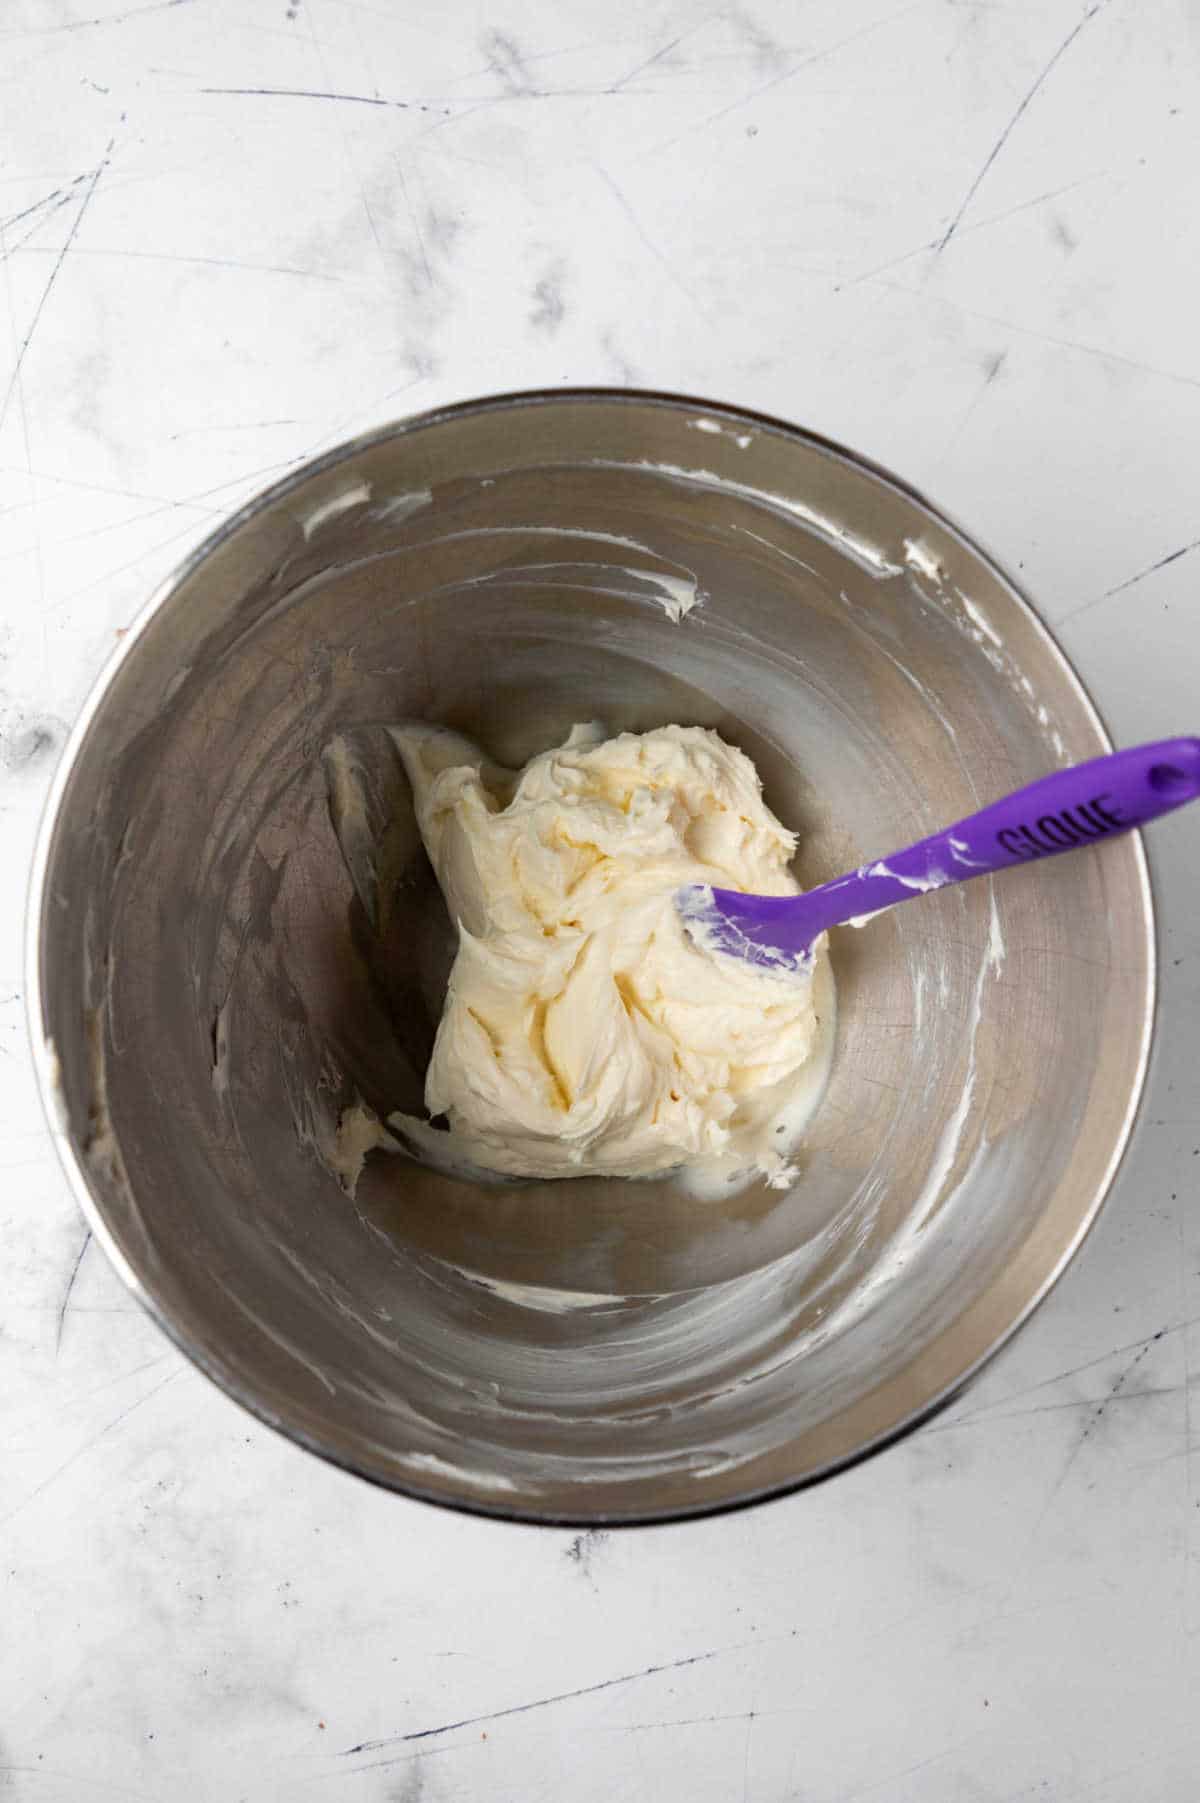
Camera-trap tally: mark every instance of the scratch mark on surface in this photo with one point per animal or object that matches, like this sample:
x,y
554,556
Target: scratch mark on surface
x,y
571,49
351,164
1097,1415
702,1721
243,425
122,1377
985,1418
746,1757
1067,344
992,367
980,225
157,256
663,261
134,519
26,445
1131,581
404,106
101,166
909,1771
65,1304
416,226
1015,120
190,502
562,1696
77,1779
649,62
1189,1444
40,1489
99,488
135,12
59,195
1059,1377
31,232
817,56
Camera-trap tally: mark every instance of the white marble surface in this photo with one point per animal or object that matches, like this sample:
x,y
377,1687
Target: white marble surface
x,y
959,235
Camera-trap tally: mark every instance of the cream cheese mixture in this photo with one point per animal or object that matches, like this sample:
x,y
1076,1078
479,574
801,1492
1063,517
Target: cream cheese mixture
x,y
585,1032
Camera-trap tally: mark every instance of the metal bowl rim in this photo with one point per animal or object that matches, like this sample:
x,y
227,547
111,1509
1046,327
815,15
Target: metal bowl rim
x,y
44,1060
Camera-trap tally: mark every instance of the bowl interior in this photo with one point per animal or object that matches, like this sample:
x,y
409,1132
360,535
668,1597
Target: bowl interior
x,y
219,1001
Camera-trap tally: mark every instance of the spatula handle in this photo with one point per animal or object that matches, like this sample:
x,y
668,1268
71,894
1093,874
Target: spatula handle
x,y
1062,812
1057,813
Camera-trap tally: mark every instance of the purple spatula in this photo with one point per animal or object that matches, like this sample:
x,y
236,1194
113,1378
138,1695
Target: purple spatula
x,y
1059,813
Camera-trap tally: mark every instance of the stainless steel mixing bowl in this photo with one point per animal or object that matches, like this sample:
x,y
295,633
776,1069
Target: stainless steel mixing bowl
x,y
211,996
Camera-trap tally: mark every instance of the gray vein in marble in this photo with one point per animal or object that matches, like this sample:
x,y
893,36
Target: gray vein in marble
x,y
769,55
28,743
549,303
507,63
